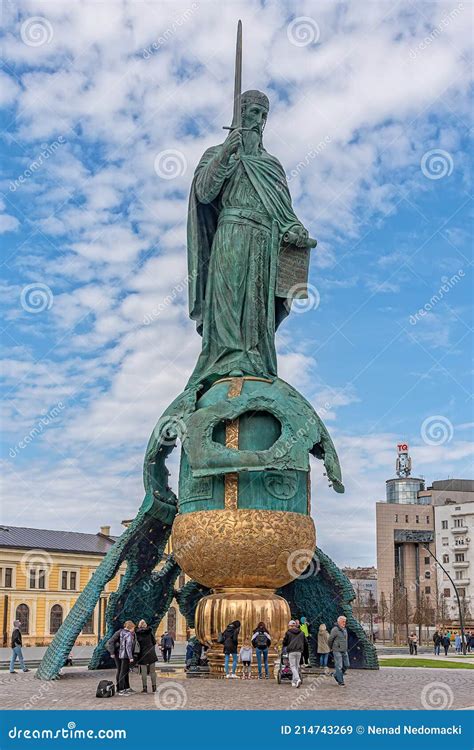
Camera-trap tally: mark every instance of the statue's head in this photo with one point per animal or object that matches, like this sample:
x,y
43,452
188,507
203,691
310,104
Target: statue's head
x,y
255,106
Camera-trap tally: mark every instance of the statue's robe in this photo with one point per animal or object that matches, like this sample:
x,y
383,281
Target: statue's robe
x,y
232,262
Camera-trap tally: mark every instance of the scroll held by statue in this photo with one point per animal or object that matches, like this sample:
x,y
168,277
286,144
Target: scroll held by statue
x,y
292,272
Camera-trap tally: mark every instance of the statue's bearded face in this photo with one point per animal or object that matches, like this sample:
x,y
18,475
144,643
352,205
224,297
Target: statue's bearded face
x,y
254,117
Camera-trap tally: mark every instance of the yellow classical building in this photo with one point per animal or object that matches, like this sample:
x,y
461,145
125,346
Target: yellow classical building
x,y
42,573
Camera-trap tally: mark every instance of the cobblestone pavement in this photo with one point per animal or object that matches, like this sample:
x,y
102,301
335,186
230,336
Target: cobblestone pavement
x,y
387,688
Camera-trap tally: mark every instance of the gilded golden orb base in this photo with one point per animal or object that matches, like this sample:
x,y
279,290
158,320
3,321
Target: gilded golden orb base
x,y
243,548
249,606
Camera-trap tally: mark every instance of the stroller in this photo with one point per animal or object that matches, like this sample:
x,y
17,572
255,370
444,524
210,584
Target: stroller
x,y
284,670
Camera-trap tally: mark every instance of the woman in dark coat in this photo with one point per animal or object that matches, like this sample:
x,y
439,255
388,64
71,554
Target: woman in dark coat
x,y
147,657
230,639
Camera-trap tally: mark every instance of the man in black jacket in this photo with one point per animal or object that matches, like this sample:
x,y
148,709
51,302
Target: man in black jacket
x,y
294,642
16,644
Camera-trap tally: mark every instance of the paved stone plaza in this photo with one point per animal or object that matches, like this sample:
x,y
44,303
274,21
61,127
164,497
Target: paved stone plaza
x,y
388,688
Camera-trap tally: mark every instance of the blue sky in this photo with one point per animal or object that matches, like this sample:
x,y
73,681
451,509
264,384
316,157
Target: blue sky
x,y
106,110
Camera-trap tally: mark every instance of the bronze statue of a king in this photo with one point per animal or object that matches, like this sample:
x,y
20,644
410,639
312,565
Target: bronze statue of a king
x,y
240,524
239,212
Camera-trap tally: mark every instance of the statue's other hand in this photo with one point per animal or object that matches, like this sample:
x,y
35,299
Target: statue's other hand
x,y
233,142
302,236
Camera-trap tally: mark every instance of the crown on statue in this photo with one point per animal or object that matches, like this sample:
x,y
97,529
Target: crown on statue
x,y
255,97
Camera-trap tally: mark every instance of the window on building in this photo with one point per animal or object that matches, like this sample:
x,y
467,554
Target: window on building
x,y
446,593
41,579
55,618
396,517
444,541
444,524
427,519
427,589
458,522
445,558
406,519
8,577
23,615
459,575
68,580
417,519
459,556
427,560
88,628
462,592
427,574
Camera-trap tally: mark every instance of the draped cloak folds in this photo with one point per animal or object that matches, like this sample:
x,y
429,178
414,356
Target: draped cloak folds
x,y
267,179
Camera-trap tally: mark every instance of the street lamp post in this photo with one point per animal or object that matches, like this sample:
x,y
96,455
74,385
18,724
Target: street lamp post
x,y
461,621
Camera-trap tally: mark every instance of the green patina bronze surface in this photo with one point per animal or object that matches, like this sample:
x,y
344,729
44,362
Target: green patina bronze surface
x,y
248,258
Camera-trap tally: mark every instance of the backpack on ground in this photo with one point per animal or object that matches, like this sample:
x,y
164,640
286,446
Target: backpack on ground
x,y
261,640
105,689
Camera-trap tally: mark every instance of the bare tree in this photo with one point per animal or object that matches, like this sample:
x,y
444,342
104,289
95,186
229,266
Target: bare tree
x,y
441,610
384,613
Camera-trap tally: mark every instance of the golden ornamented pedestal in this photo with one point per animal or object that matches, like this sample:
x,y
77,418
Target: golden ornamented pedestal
x,y
243,555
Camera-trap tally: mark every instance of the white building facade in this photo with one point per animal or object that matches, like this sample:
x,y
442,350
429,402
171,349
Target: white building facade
x,y
454,530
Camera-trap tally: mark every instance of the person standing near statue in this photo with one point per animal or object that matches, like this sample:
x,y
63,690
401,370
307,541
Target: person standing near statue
x,y
147,654
127,642
230,639
166,645
17,644
261,641
293,642
323,646
338,646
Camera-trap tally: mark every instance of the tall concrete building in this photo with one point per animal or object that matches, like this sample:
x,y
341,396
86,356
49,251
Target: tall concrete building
x,y
414,521
405,528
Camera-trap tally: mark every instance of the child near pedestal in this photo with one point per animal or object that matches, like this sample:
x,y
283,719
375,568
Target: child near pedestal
x,y
245,656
